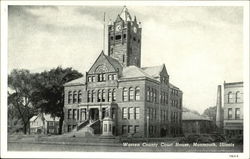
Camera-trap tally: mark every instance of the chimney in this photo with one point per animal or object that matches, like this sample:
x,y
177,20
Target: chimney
x,y
219,109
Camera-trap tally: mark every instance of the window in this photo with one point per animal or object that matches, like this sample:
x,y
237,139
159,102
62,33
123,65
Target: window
x,y
75,114
151,95
51,123
130,113
230,97
69,113
125,94
89,79
103,95
114,95
137,93
123,58
89,97
111,38
136,128
92,95
79,96
99,96
110,128
124,113
237,113
69,97
134,38
130,129
105,128
137,113
237,98
69,128
101,77
93,78
114,77
118,37
148,94
51,130
109,77
109,95
124,36
166,98
124,129
131,94
230,113
74,97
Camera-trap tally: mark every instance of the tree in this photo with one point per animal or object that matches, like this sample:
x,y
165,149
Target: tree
x,y
20,81
211,113
49,94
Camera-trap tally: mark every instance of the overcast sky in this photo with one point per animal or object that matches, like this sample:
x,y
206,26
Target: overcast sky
x,y
200,46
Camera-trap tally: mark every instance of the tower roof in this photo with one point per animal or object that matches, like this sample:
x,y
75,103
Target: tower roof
x,y
125,14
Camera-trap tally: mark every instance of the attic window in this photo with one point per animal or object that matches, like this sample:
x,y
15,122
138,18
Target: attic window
x,y
118,37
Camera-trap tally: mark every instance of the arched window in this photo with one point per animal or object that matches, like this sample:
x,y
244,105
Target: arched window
x,y
79,96
237,98
74,97
230,97
103,95
125,94
137,93
131,93
109,95
99,96
69,97
114,95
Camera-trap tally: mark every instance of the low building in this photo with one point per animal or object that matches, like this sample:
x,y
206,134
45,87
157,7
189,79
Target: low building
x,y
233,108
193,123
44,124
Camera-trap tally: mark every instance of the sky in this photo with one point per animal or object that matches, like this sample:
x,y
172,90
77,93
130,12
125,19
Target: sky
x,y
201,46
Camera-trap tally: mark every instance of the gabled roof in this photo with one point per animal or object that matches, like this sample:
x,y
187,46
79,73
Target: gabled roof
x,y
125,15
133,72
78,81
116,64
46,117
192,116
153,71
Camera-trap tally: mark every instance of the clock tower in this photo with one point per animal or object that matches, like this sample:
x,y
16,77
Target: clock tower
x,y
124,39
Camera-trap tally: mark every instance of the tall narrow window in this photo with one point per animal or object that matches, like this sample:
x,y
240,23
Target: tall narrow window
x,y
79,96
155,96
114,95
237,98
69,113
130,129
151,95
137,93
131,113
131,94
74,97
99,96
92,96
123,58
124,113
230,113
230,97
103,95
237,113
69,97
89,97
109,95
124,129
137,113
136,128
125,94
93,78
148,94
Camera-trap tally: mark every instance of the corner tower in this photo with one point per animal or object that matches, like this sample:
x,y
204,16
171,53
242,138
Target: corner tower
x,y
124,39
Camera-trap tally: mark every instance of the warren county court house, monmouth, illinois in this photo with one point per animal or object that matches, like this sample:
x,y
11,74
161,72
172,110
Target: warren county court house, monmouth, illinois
x,y
118,97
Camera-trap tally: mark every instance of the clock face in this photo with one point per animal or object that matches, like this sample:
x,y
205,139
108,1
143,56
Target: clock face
x,y
135,29
118,27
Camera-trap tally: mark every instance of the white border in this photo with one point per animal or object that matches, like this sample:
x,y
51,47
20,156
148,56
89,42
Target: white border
x,y
4,31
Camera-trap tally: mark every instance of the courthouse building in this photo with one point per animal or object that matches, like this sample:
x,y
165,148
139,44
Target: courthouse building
x,y
233,108
117,96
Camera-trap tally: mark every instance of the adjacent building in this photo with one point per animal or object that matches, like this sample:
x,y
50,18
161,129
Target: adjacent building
x,y
193,123
117,96
233,108
44,124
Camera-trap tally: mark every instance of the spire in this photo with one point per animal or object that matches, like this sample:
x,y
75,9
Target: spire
x,y
125,14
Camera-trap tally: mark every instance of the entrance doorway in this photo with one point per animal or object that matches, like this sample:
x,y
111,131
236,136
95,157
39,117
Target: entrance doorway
x,y
94,114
